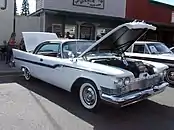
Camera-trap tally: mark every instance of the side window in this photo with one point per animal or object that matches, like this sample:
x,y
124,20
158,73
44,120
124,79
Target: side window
x,y
49,49
145,50
139,49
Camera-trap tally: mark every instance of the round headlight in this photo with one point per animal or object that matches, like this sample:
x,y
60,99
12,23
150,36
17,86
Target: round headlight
x,y
118,82
161,74
127,81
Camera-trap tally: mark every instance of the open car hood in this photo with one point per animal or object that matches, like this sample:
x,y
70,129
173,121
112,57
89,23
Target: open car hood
x,y
121,38
33,39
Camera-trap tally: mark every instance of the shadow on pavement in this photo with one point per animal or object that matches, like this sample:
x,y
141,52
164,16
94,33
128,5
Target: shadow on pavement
x,y
147,115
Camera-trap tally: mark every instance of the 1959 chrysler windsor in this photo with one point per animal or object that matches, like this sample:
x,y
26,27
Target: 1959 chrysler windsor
x,y
96,71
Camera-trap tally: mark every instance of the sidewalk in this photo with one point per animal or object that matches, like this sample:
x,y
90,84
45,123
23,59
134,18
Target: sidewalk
x,y
7,70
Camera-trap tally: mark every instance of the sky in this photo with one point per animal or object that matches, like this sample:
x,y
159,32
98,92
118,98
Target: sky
x,y
169,2
32,4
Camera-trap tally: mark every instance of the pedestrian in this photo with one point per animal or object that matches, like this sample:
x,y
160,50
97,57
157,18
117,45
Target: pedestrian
x,y
4,50
10,46
68,35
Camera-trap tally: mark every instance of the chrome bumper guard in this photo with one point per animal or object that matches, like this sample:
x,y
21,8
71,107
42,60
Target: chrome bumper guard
x,y
134,97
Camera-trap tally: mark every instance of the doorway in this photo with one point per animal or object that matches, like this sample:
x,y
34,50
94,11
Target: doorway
x,y
87,31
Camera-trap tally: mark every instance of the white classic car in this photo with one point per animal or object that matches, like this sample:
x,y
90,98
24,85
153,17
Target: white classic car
x,y
95,71
172,49
153,51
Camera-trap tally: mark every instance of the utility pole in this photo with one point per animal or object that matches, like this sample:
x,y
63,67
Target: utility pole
x,y
25,8
14,17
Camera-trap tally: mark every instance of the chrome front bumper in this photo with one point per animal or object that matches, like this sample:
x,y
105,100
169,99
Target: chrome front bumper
x,y
134,97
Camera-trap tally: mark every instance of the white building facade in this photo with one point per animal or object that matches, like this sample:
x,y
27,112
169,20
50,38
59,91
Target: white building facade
x,y
6,21
23,23
82,18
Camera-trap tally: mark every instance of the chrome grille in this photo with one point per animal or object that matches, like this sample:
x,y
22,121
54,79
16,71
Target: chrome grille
x,y
144,83
137,85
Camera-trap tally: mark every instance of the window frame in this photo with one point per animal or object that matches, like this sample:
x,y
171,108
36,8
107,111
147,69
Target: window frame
x,y
145,48
47,43
137,45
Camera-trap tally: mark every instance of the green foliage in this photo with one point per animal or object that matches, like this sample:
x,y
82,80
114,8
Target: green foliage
x,y
25,8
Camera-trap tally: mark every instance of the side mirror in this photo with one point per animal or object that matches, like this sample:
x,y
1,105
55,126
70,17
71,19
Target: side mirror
x,y
71,55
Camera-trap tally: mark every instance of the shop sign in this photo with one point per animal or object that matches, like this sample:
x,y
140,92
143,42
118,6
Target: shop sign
x,y
89,3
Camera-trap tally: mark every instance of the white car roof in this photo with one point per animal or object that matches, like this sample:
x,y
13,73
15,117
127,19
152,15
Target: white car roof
x,y
63,40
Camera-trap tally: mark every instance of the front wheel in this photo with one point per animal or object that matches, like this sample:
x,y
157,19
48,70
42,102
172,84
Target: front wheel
x,y
27,74
170,76
89,96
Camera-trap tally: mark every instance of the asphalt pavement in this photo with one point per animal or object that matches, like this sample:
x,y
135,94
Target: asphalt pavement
x,y
6,69
37,105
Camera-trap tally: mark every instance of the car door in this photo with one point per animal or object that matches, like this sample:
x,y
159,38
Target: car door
x,y
49,67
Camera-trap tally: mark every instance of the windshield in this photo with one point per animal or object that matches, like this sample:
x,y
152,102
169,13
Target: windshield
x,y
75,48
158,48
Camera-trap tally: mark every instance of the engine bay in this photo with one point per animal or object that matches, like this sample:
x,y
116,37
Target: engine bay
x,y
136,67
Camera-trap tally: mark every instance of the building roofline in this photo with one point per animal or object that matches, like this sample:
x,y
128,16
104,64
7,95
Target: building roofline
x,y
69,12
37,12
158,24
163,4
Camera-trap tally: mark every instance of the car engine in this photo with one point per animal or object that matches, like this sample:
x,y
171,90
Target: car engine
x,y
136,67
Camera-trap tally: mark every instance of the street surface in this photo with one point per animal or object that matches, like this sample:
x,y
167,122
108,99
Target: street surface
x,y
37,105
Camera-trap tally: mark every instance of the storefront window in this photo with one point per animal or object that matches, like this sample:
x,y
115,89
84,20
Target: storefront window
x,y
70,31
102,31
87,31
57,28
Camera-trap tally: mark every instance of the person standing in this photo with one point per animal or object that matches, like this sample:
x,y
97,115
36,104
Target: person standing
x,y
10,46
68,35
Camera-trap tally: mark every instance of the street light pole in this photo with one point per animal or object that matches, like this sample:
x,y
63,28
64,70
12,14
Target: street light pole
x,y
14,17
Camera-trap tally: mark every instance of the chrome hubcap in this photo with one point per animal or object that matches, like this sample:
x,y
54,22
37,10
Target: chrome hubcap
x,y
27,74
171,75
89,95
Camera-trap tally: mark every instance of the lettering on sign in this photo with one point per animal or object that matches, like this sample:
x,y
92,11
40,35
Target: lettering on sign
x,y
89,3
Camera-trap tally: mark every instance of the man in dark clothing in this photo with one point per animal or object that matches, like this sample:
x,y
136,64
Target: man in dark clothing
x,y
68,35
9,54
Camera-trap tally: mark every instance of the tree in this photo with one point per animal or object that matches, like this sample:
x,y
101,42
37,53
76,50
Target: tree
x,y
25,8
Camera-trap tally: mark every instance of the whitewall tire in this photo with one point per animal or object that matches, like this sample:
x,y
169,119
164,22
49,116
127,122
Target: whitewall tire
x,y
170,76
88,95
27,74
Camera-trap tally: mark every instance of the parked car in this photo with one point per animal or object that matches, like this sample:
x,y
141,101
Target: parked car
x,y
172,49
153,51
95,71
